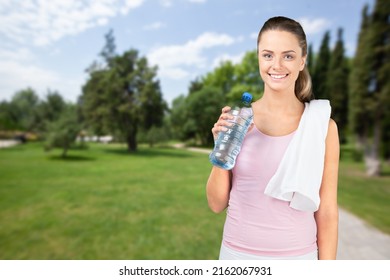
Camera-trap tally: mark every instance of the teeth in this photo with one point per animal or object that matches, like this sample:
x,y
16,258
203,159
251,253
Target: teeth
x,y
278,76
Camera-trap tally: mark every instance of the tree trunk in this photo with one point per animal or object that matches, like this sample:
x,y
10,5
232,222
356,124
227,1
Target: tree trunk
x,y
371,152
64,151
131,142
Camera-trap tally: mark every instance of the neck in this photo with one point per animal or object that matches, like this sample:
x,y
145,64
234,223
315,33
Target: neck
x,y
280,102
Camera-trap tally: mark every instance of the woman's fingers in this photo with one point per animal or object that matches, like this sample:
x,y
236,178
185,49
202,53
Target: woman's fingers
x,y
225,109
223,122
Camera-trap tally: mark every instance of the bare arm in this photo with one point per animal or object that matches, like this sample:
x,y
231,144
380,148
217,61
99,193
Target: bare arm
x,y
219,182
218,189
327,214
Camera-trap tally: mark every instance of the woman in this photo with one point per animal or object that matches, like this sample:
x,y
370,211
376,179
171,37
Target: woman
x,y
282,193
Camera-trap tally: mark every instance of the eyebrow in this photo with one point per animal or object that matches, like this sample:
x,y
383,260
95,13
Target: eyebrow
x,y
289,51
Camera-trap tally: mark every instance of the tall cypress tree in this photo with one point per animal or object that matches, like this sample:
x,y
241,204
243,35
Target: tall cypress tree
x,y
337,86
370,85
321,69
310,59
381,43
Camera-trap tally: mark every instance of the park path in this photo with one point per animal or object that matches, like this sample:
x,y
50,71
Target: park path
x,y
357,239
8,143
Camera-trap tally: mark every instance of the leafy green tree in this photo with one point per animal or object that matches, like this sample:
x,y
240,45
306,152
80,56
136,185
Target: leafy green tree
x,y
204,106
222,77
49,110
62,132
124,97
321,67
8,119
109,50
93,102
24,105
337,86
195,85
178,118
156,135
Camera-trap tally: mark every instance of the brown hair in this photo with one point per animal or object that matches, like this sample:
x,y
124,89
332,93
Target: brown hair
x,y
303,89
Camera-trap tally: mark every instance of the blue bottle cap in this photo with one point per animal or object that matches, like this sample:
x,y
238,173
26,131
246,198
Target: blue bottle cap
x,y
246,97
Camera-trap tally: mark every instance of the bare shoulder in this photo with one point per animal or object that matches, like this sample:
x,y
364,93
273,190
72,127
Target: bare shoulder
x,y
332,139
332,129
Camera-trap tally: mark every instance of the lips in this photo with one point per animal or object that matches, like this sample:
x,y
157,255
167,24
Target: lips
x,y
279,76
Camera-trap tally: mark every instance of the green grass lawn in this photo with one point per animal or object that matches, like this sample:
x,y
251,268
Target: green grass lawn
x,y
368,198
103,203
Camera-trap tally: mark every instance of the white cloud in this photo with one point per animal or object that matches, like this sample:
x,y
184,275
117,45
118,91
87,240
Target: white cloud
x,y
43,22
155,25
21,54
313,26
172,59
166,3
197,1
19,69
227,57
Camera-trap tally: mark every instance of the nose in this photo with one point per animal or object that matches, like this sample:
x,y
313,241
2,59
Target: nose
x,y
277,63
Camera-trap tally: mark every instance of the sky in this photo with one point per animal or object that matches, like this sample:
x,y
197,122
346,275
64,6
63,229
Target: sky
x,y
48,44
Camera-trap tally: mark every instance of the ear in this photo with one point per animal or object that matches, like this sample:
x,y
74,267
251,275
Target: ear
x,y
303,63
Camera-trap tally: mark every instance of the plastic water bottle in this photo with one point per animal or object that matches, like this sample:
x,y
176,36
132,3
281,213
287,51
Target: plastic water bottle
x,y
228,144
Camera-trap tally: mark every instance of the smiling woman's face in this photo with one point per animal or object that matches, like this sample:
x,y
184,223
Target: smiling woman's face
x,y
280,60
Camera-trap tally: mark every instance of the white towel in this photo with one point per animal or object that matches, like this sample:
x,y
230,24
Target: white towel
x,y
299,175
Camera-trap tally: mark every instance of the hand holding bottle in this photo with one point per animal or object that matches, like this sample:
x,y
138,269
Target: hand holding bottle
x,y
224,121
229,132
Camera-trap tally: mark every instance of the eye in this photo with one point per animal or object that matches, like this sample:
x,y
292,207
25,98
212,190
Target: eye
x,y
288,57
267,56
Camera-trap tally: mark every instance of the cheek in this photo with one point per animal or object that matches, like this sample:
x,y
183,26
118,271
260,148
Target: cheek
x,y
263,65
263,70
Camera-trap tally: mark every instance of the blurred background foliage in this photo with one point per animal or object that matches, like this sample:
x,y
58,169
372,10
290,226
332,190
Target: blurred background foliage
x,y
122,97
139,199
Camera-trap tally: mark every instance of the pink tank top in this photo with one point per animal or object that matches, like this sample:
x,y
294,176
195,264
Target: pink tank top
x,y
259,224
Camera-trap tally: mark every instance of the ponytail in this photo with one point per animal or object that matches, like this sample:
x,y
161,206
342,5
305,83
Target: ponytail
x,y
303,89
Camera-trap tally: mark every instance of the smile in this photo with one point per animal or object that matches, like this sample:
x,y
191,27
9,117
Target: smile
x,y
273,76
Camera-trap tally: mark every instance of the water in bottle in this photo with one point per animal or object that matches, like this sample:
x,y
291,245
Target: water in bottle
x,y
228,144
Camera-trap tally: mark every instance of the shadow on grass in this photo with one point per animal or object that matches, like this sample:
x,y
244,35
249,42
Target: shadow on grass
x,y
71,158
150,152
385,174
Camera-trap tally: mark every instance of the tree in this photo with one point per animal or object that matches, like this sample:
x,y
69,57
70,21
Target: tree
x,y
204,106
108,52
222,77
8,120
49,110
156,135
319,77
125,97
337,86
62,132
24,105
93,102
370,84
310,60
179,119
